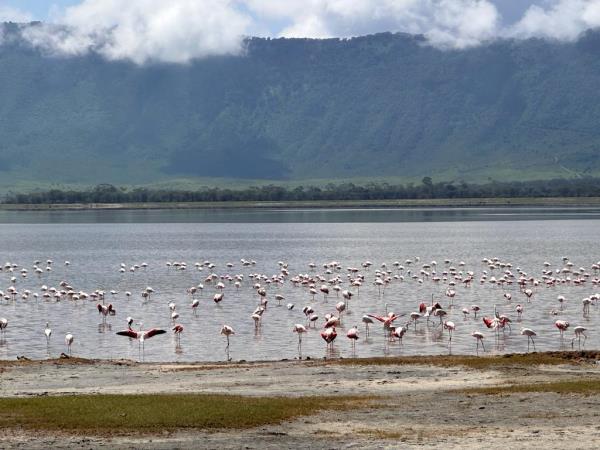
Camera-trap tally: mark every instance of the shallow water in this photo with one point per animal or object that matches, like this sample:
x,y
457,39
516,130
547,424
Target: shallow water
x,y
97,242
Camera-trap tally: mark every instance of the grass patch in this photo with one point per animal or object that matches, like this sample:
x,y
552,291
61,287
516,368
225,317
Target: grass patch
x,y
125,414
481,362
586,387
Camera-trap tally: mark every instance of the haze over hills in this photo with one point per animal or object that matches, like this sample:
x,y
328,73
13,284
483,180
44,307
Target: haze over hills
x,y
379,106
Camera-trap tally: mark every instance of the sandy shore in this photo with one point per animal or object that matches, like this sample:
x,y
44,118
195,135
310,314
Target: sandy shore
x,y
416,405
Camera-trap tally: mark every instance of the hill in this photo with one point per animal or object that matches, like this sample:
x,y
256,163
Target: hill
x,y
381,106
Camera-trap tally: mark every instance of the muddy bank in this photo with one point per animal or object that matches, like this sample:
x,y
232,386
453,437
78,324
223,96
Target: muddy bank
x,y
416,405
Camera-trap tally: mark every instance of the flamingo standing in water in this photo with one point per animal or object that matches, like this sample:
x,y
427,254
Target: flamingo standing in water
x,y
398,333
530,334
478,335
519,310
562,326
3,325
227,331
579,331
69,342
340,307
48,332
450,326
367,321
177,330
195,304
329,335
300,329
353,336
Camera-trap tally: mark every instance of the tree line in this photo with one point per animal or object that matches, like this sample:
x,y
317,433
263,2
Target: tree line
x,y
427,189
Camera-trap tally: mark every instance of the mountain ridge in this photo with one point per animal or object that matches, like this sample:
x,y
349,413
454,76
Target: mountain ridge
x,y
370,107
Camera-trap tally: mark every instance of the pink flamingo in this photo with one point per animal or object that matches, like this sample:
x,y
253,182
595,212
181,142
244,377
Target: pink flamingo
x,y
386,320
141,335
329,335
178,329
300,329
562,326
450,326
353,336
227,331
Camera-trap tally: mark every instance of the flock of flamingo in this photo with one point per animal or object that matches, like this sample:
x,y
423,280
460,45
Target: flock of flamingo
x,y
512,288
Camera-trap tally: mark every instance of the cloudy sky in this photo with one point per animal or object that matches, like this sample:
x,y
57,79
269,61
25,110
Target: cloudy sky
x,y
180,30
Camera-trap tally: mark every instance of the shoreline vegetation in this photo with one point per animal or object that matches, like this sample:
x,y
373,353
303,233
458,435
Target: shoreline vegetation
x,y
316,204
559,192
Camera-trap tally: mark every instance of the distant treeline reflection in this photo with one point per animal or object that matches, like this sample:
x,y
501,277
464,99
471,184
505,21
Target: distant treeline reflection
x,y
427,189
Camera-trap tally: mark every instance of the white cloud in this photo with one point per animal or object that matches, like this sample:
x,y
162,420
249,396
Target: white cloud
x,y
180,30
145,30
448,23
561,19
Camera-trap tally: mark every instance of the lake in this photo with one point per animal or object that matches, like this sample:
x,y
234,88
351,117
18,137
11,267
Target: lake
x,y
97,242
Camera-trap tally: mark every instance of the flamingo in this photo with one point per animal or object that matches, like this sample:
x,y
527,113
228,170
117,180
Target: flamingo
x,y
586,305
386,320
415,316
340,307
478,335
48,332
177,330
530,334
519,310
353,336
562,326
367,321
579,331
218,297
450,326
3,325
141,335
329,335
325,290
398,333
331,321
69,341
300,330
227,331
256,317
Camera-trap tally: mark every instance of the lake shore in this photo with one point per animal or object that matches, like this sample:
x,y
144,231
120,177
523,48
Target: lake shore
x,y
492,401
408,203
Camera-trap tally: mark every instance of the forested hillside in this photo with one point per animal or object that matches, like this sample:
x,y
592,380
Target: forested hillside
x,y
385,105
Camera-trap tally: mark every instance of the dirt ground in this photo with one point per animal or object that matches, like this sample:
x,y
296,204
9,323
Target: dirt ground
x,y
417,406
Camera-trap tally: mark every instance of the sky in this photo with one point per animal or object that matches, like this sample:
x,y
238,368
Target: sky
x,y
180,30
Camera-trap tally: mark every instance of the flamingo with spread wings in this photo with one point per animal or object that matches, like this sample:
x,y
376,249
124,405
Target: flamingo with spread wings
x,y
386,320
141,335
